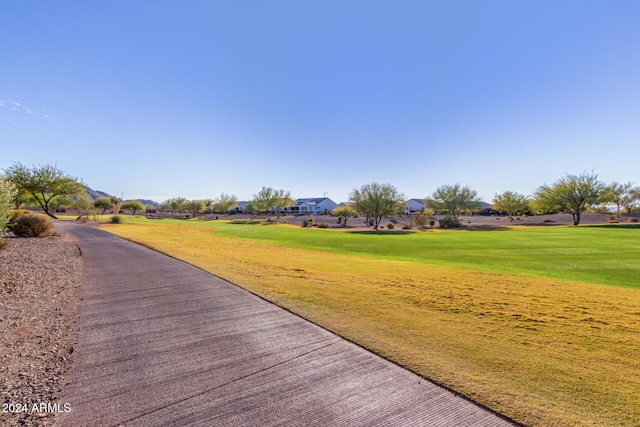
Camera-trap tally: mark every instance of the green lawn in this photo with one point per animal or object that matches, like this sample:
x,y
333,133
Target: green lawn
x,y
601,255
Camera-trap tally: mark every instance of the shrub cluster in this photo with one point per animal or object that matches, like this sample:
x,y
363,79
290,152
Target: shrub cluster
x,y
449,222
32,225
115,219
390,226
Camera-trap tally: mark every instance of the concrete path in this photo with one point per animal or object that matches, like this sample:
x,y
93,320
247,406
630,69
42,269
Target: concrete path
x,y
163,343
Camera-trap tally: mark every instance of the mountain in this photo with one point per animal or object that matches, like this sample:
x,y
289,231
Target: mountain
x,y
147,202
97,194
94,194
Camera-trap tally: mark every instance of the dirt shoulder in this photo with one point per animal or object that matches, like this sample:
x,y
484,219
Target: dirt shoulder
x,y
40,289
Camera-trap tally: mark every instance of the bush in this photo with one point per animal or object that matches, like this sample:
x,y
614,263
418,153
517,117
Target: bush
x,y
406,227
633,219
323,225
432,223
32,225
449,222
390,226
115,219
305,223
15,214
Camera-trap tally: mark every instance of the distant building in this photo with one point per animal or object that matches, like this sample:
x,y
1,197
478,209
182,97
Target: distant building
x,y
240,208
414,205
311,206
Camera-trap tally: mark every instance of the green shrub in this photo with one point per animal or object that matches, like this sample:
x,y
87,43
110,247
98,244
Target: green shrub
x,y
390,226
323,225
32,225
115,219
406,227
449,222
305,223
432,223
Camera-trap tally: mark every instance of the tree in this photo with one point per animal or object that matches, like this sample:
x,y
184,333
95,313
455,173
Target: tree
x,y
174,204
422,217
133,206
177,204
195,207
374,201
453,199
344,213
83,205
510,202
270,200
572,194
60,202
7,195
116,204
633,200
44,183
223,203
103,203
22,197
621,195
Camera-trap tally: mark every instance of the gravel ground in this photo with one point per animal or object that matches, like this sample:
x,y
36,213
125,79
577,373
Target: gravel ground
x,y
40,284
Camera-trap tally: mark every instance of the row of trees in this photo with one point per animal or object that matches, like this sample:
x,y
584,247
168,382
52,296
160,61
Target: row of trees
x,y
49,187
221,204
571,194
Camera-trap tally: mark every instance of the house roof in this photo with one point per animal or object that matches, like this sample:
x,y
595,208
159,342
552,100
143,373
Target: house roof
x,y
313,201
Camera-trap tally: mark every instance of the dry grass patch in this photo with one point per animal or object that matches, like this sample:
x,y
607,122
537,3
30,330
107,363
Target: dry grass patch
x,y
541,351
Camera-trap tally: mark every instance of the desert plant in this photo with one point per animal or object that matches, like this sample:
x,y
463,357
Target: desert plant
x,y
323,225
406,227
310,220
305,223
7,193
115,219
432,223
390,226
633,219
15,214
449,222
32,225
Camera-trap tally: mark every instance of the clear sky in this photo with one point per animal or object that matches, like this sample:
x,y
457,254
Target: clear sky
x,y
157,99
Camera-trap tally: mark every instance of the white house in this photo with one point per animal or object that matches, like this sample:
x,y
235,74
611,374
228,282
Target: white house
x,y
312,206
240,208
414,205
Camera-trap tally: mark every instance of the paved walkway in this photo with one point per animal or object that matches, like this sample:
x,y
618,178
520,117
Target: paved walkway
x,y
164,343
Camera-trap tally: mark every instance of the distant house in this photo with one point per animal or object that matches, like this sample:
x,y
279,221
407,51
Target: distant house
x,y
240,208
414,205
312,206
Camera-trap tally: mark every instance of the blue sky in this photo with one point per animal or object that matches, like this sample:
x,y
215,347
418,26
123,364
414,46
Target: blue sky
x,y
157,99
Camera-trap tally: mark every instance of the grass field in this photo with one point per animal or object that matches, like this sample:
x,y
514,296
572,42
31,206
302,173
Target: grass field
x,y
517,320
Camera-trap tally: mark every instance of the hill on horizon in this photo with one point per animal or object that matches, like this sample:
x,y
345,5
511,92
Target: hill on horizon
x,y
97,194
